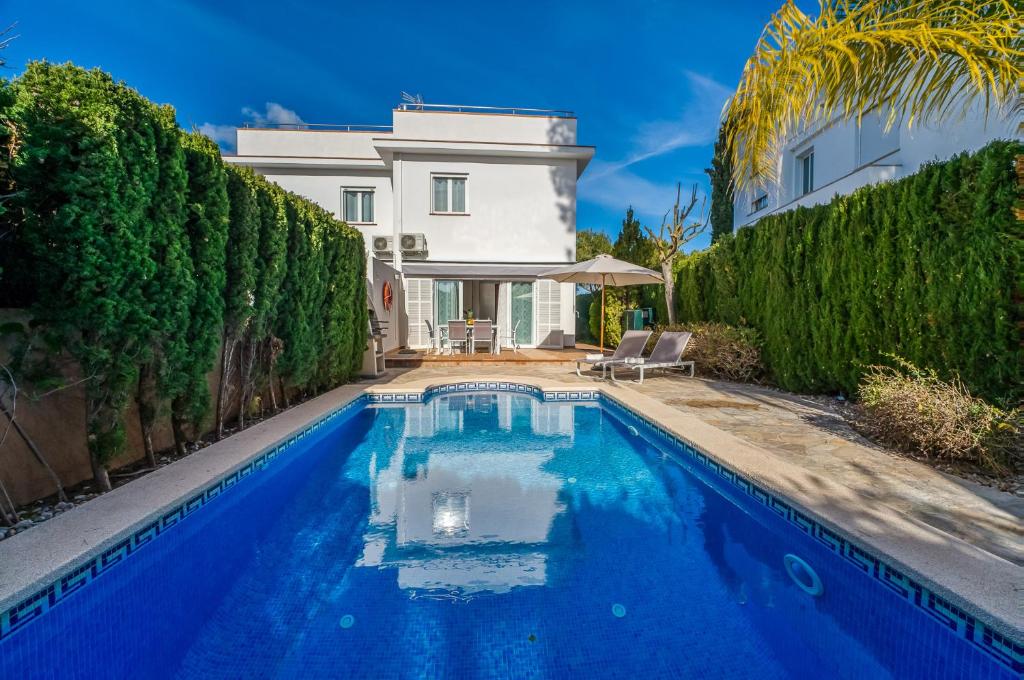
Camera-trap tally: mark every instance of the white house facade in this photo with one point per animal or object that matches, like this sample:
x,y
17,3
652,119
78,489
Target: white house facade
x,y
838,157
461,209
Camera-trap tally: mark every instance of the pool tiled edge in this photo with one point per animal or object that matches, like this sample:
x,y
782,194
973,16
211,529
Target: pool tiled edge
x,y
992,638
986,637
78,573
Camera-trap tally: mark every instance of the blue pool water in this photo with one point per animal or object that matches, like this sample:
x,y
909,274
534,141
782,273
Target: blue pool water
x,y
484,535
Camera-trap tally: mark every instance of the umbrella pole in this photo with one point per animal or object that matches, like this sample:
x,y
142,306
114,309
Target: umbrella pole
x,y
602,313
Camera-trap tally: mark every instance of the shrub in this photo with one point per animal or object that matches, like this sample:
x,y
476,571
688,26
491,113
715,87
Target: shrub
x,y
613,309
928,267
720,351
913,410
116,233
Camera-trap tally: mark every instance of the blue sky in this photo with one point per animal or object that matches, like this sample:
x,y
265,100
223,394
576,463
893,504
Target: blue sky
x,y
646,79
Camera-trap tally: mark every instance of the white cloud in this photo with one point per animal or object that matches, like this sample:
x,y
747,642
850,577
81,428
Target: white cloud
x,y
621,188
273,114
697,125
613,184
224,135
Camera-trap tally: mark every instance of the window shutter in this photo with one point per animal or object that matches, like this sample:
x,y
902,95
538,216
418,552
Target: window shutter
x,y
549,313
419,305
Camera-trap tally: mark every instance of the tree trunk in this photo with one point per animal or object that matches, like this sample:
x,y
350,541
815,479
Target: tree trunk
x,y
670,289
270,387
243,401
61,496
180,438
10,518
99,473
284,393
147,411
227,348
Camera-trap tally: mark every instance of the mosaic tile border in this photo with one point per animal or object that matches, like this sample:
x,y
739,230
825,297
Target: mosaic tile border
x,y
482,386
31,608
1002,648
1006,651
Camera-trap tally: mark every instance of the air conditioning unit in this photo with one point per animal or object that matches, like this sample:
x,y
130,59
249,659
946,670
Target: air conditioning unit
x,y
413,243
382,244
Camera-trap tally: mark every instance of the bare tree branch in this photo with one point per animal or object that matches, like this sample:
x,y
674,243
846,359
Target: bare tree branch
x,y
679,226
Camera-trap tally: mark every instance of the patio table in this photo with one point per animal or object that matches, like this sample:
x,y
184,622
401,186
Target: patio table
x,y
495,346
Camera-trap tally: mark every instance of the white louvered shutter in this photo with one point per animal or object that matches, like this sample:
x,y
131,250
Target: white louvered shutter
x,y
419,305
549,313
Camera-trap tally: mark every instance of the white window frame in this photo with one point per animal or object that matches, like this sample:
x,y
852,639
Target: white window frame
x,y
801,179
449,176
759,203
359,191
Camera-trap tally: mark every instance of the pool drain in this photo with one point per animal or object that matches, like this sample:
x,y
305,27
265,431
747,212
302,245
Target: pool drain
x,y
347,621
618,610
803,575
571,480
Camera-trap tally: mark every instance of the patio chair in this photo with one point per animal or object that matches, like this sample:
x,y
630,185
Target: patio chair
x,y
436,337
667,354
483,334
510,339
457,335
630,347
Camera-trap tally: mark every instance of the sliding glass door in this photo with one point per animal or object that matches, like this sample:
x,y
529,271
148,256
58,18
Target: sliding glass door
x,y
521,311
447,301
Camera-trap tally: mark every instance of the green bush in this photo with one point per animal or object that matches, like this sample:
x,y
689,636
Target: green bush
x,y
117,239
84,173
929,267
613,310
719,350
915,411
206,226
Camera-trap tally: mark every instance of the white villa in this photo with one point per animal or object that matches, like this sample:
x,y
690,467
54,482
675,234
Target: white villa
x,y
461,208
837,157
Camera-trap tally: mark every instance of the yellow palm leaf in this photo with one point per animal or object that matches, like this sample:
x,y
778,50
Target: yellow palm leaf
x,y
914,60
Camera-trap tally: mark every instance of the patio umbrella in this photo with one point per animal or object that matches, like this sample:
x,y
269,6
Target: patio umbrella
x,y
606,271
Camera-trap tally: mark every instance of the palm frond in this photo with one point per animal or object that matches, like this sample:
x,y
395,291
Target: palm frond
x,y
913,60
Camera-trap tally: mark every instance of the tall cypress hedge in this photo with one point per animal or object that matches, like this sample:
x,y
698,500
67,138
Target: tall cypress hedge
x,y
120,242
241,267
79,226
928,267
206,226
170,291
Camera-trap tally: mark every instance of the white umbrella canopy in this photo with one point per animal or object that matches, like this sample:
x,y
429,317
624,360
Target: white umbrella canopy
x,y
604,270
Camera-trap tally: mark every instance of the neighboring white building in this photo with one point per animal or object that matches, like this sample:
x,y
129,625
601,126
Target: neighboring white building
x,y
461,206
838,157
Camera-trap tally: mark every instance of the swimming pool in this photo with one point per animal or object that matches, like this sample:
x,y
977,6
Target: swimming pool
x,y
489,534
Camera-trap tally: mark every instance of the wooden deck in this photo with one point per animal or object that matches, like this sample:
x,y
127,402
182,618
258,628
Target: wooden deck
x,y
404,359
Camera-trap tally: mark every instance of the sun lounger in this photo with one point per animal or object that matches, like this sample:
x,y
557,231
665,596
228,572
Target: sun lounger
x,y
631,346
667,354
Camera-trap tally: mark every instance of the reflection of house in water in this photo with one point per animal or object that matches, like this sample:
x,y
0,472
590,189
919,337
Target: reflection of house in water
x,y
464,504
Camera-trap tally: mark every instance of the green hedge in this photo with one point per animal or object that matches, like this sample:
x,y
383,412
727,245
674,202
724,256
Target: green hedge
x,y
928,267
119,239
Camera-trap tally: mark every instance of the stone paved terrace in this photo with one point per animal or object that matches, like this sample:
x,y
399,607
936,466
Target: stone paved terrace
x,y
812,436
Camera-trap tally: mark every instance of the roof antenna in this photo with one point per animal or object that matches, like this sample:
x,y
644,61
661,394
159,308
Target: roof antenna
x,y
413,99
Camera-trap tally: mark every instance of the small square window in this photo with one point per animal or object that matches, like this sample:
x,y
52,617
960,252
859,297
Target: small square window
x,y
448,194
759,203
357,206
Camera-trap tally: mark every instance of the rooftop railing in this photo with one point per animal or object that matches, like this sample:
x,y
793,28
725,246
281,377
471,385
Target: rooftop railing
x,y
505,110
318,126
